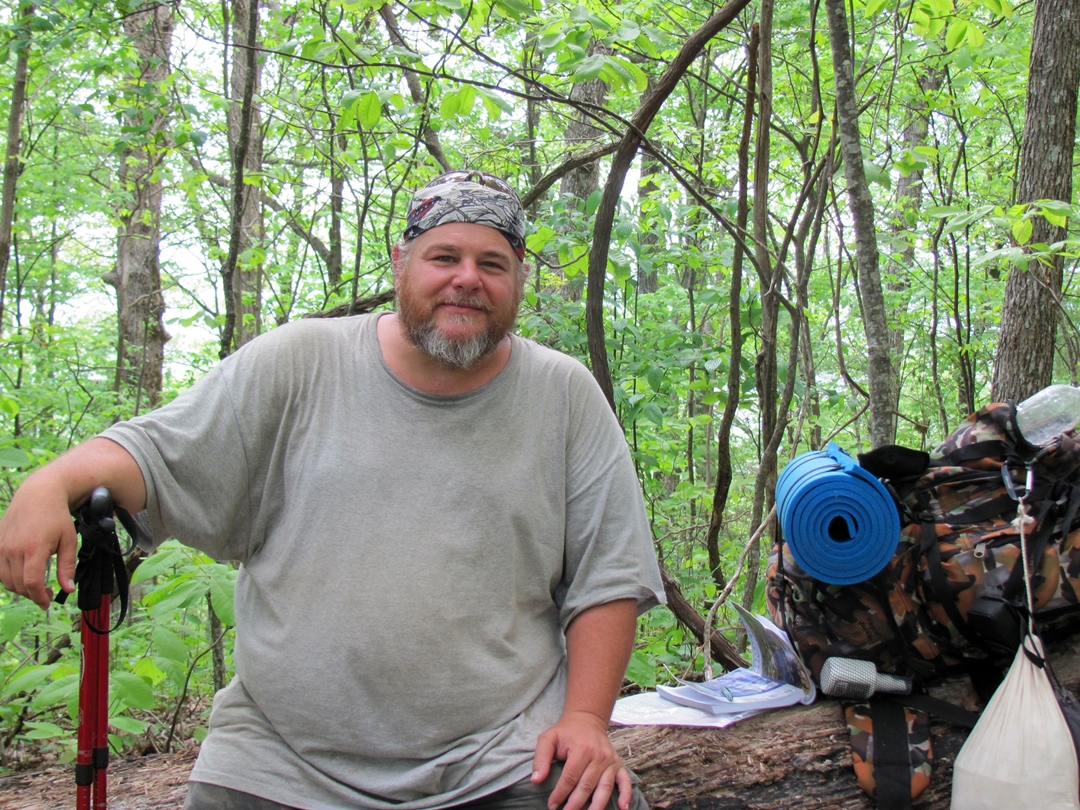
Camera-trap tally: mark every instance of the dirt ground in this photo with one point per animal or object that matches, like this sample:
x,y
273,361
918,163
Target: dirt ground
x,y
156,782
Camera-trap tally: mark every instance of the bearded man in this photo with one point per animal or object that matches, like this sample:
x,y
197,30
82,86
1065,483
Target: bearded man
x,y
442,540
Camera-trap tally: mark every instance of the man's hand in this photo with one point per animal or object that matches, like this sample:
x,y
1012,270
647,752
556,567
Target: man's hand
x,y
592,768
598,643
38,523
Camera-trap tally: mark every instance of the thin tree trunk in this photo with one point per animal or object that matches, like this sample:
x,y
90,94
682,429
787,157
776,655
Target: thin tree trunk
x,y
215,631
875,323
648,279
580,135
136,275
724,469
909,195
242,285
1025,354
769,281
12,164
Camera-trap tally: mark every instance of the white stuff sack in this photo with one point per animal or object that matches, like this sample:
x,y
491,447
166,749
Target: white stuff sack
x,y
1020,753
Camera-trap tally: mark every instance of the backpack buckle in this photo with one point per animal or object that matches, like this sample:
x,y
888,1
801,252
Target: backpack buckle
x,y
1010,485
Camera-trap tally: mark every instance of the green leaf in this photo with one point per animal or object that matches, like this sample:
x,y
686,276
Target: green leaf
x,y
129,725
1056,212
655,376
14,457
148,668
134,691
872,7
640,671
368,109
1021,231
515,9
350,98
166,600
628,31
12,621
29,679
222,587
652,412
450,106
59,691
589,69
956,34
168,644
43,731
160,562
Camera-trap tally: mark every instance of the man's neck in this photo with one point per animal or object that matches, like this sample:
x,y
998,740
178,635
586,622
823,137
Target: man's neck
x,y
424,373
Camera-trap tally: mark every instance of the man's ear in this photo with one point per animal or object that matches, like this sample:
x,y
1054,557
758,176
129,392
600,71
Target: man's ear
x,y
395,262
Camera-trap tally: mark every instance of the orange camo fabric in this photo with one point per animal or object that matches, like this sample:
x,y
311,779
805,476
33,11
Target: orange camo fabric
x,y
920,750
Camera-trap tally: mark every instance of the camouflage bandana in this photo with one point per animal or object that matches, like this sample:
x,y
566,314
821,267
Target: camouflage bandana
x,y
468,196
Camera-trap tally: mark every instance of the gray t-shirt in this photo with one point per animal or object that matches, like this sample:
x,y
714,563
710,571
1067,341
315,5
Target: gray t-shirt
x,y
409,562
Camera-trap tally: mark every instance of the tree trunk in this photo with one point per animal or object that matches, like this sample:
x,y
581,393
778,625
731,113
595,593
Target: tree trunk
x,y
909,196
769,281
140,347
879,365
1025,354
579,183
241,274
724,468
12,164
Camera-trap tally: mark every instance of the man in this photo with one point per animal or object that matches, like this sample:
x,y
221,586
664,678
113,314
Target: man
x,y
444,548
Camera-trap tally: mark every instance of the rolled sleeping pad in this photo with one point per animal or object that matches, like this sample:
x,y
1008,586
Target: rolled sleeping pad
x,y
839,521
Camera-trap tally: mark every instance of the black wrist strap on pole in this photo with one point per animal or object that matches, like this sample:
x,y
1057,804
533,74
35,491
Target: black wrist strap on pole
x,y
100,564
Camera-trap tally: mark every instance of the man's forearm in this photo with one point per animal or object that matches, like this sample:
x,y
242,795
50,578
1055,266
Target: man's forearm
x,y
37,523
598,645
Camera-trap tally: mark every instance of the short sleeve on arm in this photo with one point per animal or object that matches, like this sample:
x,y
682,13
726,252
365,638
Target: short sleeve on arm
x,y
198,455
609,551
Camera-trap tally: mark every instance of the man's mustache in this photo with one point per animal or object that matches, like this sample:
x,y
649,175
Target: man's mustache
x,y
471,301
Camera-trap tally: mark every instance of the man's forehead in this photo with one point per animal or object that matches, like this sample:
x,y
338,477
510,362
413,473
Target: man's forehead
x,y
443,237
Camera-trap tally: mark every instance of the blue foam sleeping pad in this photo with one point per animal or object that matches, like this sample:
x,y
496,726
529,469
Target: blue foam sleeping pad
x,y
840,522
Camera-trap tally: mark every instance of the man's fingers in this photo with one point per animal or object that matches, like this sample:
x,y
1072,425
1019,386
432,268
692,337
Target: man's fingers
x,y
33,579
567,788
626,787
602,792
66,556
545,753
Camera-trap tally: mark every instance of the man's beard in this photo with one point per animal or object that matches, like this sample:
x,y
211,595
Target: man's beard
x,y
450,352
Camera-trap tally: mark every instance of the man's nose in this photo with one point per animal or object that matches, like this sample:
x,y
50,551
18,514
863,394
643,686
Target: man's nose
x,y
468,274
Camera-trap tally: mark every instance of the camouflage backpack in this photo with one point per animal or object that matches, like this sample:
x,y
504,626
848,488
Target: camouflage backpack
x,y
951,600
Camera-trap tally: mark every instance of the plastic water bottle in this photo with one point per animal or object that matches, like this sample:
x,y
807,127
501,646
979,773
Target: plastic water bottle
x,y
1044,416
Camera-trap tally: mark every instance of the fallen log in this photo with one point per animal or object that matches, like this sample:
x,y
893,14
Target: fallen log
x,y
790,758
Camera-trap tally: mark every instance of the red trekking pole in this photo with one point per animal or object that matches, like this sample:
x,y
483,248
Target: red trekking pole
x,y
100,569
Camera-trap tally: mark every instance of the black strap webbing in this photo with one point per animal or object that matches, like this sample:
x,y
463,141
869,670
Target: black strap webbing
x,y
954,714
892,763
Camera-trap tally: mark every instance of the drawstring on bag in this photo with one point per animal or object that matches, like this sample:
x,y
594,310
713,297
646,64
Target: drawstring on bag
x,y
999,766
